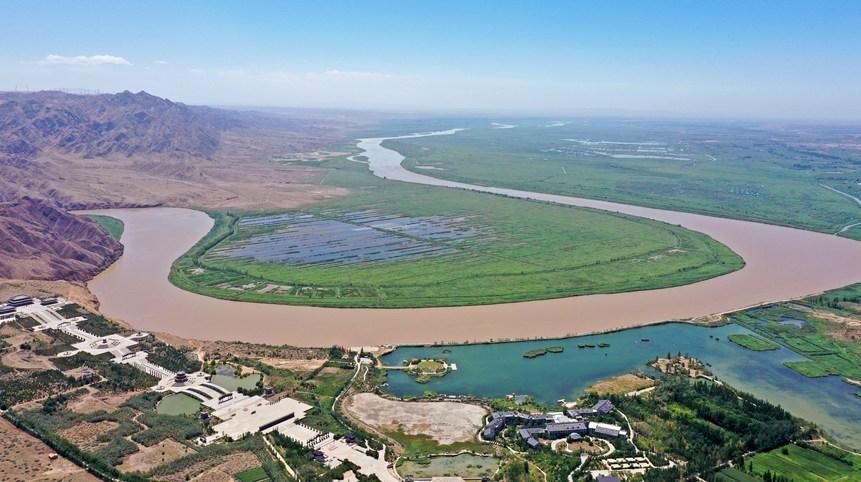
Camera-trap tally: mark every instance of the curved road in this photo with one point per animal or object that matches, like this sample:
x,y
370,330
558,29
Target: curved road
x,y
781,263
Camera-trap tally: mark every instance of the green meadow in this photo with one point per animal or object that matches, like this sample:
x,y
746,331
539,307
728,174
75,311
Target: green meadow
x,y
731,170
112,225
525,251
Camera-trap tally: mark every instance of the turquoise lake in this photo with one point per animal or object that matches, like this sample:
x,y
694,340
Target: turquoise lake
x,y
495,370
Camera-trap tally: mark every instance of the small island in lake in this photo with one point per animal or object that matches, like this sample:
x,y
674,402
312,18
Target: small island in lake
x,y
543,351
425,369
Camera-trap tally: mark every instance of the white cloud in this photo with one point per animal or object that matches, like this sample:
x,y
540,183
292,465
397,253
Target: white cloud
x,y
160,62
357,75
54,59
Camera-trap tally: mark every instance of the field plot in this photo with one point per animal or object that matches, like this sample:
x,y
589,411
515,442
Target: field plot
x,y
390,244
814,463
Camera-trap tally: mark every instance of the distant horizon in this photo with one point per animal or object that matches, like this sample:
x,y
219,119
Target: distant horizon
x,y
794,59
485,114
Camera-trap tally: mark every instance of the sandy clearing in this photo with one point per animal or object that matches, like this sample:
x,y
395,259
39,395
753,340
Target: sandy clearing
x,y
84,434
298,366
148,458
95,401
444,422
25,458
622,384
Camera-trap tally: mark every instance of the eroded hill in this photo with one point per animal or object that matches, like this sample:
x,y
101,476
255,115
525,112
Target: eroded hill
x,y
42,241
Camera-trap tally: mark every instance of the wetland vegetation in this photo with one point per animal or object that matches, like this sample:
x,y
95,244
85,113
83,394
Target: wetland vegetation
x,y
744,171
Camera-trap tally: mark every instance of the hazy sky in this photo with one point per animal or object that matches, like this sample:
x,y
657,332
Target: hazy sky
x,y
688,57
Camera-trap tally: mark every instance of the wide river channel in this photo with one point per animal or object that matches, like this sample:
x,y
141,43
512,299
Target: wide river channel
x,y
781,263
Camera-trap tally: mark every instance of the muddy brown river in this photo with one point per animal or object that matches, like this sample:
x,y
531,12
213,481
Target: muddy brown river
x,y
781,263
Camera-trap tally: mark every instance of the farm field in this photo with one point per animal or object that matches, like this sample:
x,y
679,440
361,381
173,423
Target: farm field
x,y
745,171
814,464
390,244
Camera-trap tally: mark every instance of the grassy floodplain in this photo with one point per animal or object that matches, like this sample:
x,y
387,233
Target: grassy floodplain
x,y
743,171
112,225
525,251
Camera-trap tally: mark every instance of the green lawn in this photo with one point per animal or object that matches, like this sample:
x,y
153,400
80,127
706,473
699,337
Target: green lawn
x,y
252,475
525,250
754,343
803,464
113,226
735,475
178,404
734,170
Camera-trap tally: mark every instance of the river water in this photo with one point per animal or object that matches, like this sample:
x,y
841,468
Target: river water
x,y
781,263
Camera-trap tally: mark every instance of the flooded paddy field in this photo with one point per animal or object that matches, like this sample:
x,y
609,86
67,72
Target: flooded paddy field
x,y
333,239
495,370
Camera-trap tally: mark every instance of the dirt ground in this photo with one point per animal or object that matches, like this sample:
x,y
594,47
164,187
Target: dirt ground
x,y
25,458
212,471
148,458
223,349
76,292
223,182
84,434
845,328
24,359
622,384
297,366
445,422
97,400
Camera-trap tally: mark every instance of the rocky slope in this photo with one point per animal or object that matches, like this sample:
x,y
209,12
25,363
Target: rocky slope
x,y
41,241
102,125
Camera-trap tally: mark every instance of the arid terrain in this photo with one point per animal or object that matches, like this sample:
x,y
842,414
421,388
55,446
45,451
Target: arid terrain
x,y
139,150
60,152
444,422
23,457
42,241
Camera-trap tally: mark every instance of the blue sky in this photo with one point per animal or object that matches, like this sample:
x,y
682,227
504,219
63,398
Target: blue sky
x,y
693,58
